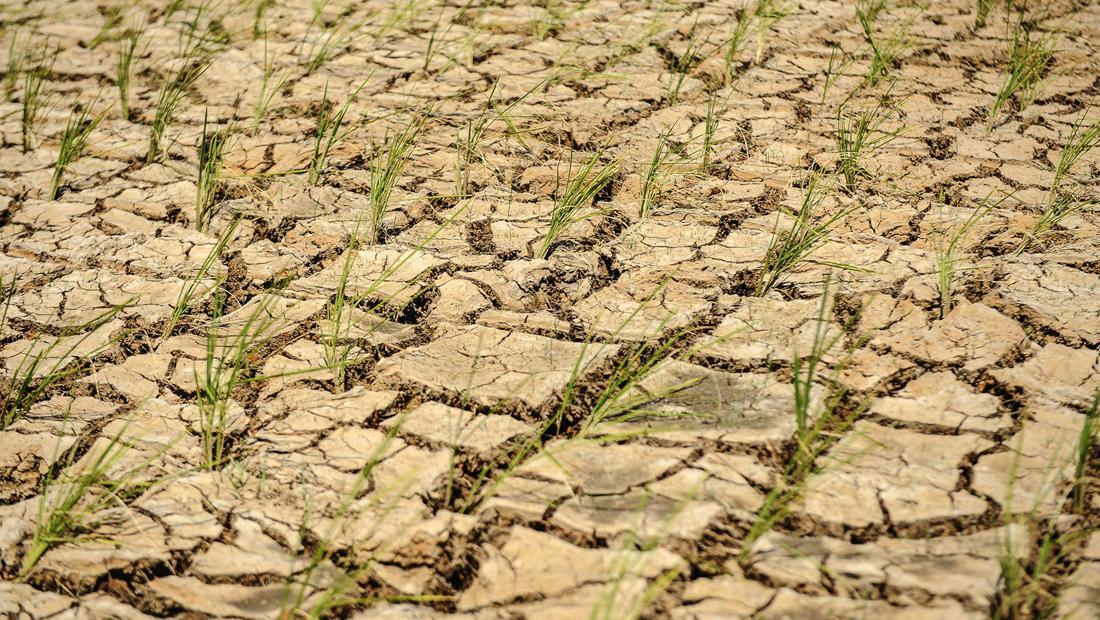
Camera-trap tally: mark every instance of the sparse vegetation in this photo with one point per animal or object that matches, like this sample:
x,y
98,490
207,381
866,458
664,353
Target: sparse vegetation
x,y
859,134
654,174
1086,443
212,147
386,166
127,49
190,291
687,62
329,132
754,19
819,422
35,99
169,102
74,138
229,352
572,203
46,361
77,500
1029,56
1061,203
948,263
884,50
271,84
808,231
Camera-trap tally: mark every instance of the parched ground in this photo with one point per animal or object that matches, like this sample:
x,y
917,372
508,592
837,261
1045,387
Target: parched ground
x,y
607,432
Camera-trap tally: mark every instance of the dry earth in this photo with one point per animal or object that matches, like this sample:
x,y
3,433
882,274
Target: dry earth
x,y
608,431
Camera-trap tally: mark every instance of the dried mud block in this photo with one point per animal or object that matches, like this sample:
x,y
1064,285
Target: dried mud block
x,y
531,563
24,460
972,336
541,322
491,365
789,604
878,475
386,273
722,597
939,399
297,416
641,306
457,428
458,298
685,402
945,569
79,297
651,244
1059,298
1080,598
1058,373
763,330
48,353
19,600
1031,474
222,599
182,506
122,539
251,553
137,378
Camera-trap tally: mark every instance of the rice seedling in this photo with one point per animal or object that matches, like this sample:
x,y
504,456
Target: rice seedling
x,y
111,20
1028,60
330,130
654,175
817,428
468,140
320,587
47,363
615,603
1063,203
550,18
790,248
190,290
271,84
686,63
337,350
35,100
201,34
19,54
330,42
229,352
948,264
710,129
212,146
71,506
755,19
570,205
387,164
884,51
1086,442
839,63
981,11
170,98
436,37
258,14
128,47
1029,563
74,138
861,133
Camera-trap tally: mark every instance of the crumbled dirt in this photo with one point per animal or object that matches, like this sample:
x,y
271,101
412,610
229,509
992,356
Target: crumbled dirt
x,y
484,454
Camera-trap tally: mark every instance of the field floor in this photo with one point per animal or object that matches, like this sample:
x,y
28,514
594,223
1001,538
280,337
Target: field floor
x,y
567,309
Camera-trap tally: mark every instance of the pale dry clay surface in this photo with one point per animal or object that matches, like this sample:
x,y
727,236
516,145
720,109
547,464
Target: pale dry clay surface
x,y
464,464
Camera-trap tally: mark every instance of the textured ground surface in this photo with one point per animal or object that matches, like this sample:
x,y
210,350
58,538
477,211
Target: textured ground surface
x,y
443,475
